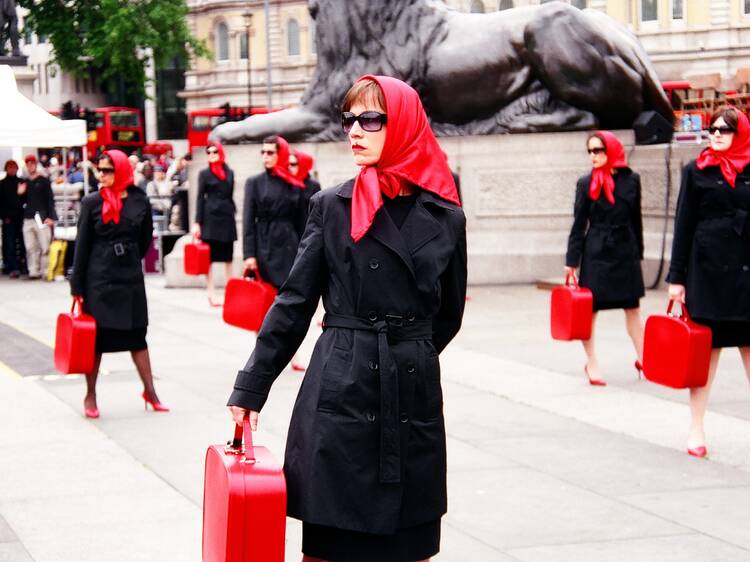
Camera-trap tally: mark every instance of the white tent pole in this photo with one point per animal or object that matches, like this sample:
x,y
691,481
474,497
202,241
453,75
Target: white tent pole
x,y
85,166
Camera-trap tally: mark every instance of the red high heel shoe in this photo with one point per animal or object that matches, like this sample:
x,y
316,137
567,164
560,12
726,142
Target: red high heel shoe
x,y
157,406
593,382
639,367
214,304
91,413
700,452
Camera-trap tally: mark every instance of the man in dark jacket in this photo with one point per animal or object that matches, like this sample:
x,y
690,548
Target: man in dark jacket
x,y
11,215
39,217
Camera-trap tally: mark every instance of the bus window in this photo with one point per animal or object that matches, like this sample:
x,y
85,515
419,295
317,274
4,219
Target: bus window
x,y
99,120
123,119
205,122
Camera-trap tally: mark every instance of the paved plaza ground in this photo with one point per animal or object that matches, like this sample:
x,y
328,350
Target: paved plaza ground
x,y
542,467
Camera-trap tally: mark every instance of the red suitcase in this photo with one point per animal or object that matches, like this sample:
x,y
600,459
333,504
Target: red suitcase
x,y
197,257
676,350
246,302
571,311
244,503
75,340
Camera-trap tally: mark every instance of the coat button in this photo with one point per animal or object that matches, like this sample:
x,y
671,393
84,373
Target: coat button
x,y
374,264
370,417
725,268
410,316
410,368
373,365
404,418
745,267
372,316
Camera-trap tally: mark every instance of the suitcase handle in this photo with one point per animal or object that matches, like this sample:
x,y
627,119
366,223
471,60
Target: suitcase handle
x,y
245,431
77,301
683,311
255,272
568,277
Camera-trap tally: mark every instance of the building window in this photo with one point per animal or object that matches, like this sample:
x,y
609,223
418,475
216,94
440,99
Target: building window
x,y
292,38
746,4
648,10
678,9
243,45
477,7
580,4
504,4
27,35
222,41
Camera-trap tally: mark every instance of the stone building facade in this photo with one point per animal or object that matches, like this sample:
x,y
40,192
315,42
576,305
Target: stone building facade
x,y
223,24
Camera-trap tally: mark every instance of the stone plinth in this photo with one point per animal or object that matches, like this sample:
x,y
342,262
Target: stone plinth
x,y
518,195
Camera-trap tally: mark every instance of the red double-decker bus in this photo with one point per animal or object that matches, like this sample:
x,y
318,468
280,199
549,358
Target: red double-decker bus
x,y
201,121
116,127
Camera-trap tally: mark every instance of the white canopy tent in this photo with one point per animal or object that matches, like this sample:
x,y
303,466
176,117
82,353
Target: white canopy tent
x,y
23,123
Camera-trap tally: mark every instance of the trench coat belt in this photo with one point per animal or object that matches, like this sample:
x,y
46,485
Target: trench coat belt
x,y
394,328
738,218
610,229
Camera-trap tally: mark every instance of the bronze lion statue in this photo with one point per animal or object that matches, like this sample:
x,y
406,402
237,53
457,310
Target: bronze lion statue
x,y
538,68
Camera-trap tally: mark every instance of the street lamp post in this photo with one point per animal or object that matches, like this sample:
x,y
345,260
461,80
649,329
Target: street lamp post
x,y
248,17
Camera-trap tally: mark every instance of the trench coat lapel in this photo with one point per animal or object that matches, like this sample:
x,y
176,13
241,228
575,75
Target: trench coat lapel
x,y
420,226
384,231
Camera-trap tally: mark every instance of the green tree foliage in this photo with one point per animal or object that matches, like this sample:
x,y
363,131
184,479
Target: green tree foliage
x,y
112,36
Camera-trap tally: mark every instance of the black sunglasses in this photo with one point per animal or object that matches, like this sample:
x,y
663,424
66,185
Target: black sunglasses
x,y
597,150
212,151
370,121
722,130
292,163
106,170
268,152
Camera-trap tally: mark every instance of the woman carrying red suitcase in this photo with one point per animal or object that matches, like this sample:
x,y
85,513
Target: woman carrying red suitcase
x,y
365,460
710,267
606,240
114,232
214,214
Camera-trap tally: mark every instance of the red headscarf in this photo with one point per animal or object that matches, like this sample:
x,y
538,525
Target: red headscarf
x,y
602,177
217,168
735,158
281,169
410,154
112,196
305,163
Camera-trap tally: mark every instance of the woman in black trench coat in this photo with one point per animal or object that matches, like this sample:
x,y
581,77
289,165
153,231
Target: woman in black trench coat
x,y
114,232
365,459
606,240
710,267
214,215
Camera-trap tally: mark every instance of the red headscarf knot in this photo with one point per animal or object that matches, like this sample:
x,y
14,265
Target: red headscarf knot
x,y
217,168
305,163
281,169
411,154
733,160
112,196
601,178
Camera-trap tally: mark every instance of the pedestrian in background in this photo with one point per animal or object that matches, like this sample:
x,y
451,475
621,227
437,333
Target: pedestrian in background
x,y
606,241
39,217
114,232
11,214
710,266
274,216
365,461
300,165
215,213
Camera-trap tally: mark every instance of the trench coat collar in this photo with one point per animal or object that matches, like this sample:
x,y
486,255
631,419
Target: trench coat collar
x,y
418,229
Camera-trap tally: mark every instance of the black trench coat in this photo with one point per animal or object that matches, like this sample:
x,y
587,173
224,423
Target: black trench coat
x,y
711,245
107,267
274,215
215,208
607,242
347,465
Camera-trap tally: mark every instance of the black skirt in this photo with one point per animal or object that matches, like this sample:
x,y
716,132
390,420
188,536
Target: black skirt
x,y
615,305
340,545
109,340
727,333
220,251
